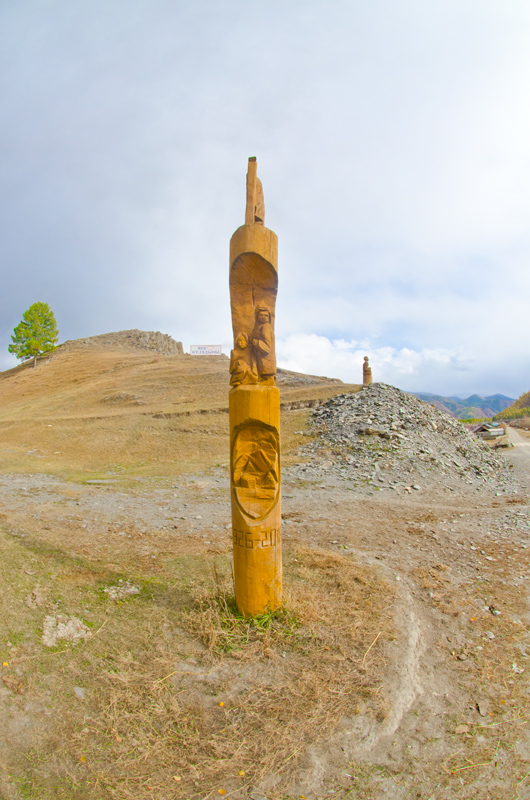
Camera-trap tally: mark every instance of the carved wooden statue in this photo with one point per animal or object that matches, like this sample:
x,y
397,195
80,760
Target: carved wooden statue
x,y
254,405
367,372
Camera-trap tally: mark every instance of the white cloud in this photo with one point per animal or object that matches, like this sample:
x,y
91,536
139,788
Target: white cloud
x,y
342,359
393,141
445,371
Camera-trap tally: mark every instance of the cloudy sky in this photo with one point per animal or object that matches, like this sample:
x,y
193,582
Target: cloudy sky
x,y
393,143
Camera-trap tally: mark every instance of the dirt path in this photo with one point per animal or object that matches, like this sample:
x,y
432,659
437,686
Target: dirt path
x,y
519,456
521,442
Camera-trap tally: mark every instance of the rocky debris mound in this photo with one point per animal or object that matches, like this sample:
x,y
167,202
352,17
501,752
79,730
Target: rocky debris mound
x,y
384,438
153,341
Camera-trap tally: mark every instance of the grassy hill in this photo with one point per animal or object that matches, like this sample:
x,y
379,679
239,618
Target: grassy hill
x,y
100,405
519,408
472,407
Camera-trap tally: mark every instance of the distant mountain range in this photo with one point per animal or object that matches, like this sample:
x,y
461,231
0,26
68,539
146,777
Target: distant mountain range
x,y
472,407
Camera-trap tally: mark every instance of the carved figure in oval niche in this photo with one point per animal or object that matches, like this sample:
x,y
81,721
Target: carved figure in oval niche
x,y
240,363
262,342
255,469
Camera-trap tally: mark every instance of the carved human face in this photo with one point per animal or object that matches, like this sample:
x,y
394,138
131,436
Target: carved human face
x,y
241,341
263,317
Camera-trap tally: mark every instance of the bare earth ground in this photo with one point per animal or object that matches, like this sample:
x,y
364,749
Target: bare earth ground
x,y
399,669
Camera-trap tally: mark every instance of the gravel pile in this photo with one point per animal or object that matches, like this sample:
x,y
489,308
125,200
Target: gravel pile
x,y
382,438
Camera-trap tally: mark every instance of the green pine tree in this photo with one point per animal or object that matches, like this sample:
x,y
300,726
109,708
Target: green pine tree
x,y
37,333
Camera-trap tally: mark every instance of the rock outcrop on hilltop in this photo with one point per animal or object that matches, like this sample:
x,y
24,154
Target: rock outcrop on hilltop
x,y
383,438
153,341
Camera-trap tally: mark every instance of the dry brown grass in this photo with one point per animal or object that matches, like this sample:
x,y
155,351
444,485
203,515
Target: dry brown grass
x,y
182,696
81,414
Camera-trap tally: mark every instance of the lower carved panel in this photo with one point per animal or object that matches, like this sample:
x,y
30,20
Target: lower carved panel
x,y
255,468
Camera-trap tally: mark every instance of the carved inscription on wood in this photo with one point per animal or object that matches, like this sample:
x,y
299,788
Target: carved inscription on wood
x,y
251,539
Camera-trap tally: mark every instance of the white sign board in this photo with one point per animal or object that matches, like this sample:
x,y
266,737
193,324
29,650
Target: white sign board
x,y
206,350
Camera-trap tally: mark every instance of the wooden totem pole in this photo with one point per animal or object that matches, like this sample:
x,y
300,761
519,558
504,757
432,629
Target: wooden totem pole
x,y
254,405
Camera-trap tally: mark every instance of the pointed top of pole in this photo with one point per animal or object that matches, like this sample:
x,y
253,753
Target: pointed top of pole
x,y
255,208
